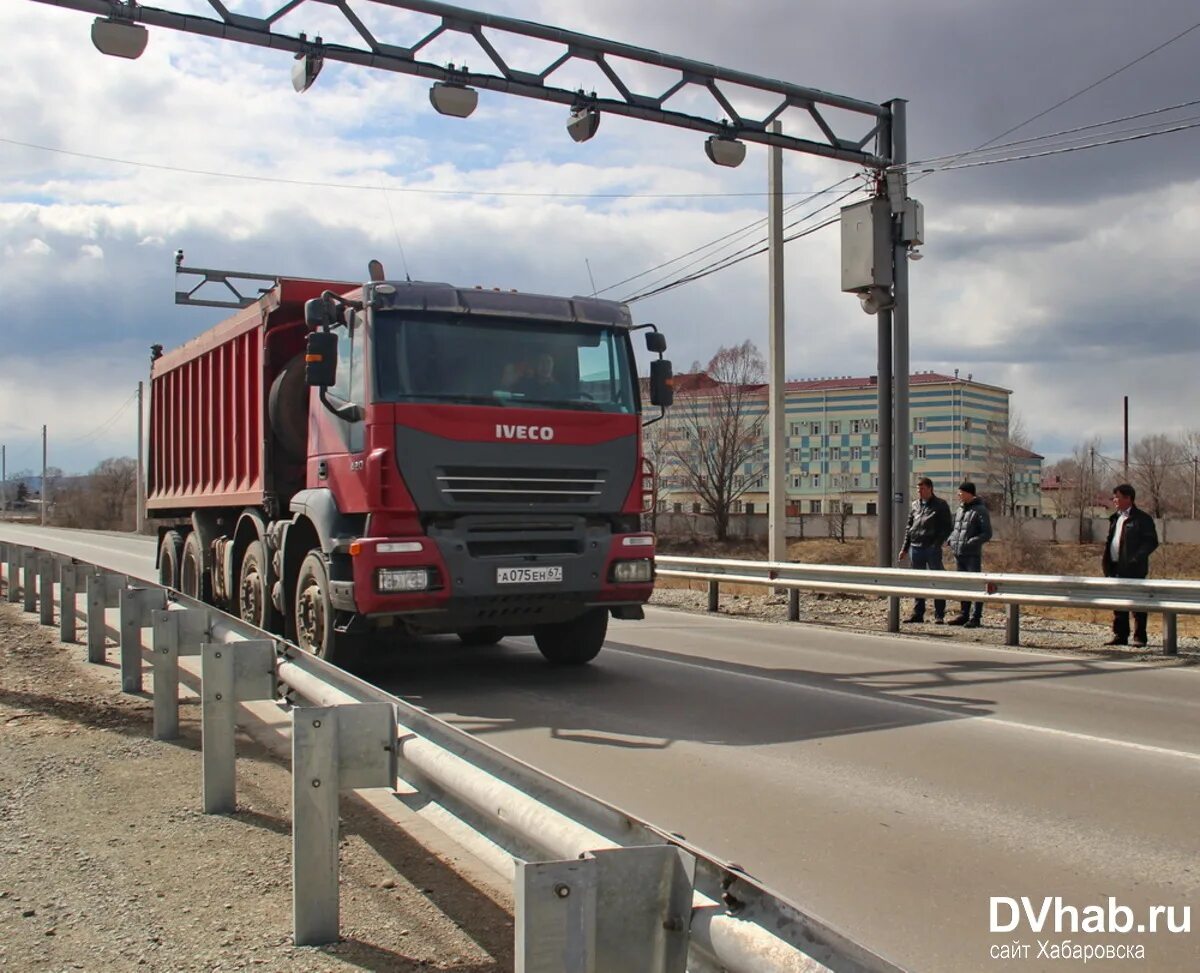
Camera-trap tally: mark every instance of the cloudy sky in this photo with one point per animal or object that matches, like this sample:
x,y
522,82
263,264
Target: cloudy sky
x,y
1070,279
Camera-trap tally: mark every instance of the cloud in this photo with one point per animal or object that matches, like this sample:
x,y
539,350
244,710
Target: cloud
x,y
1063,279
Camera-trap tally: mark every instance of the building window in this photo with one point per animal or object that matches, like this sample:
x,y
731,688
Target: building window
x,y
835,452
874,425
919,424
796,482
814,452
872,508
966,450
814,429
920,451
874,452
835,429
858,481
695,508
814,506
795,429
855,425
749,507
816,479
856,452
875,480
677,508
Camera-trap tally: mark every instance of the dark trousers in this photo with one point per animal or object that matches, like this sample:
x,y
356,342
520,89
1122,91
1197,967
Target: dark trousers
x,y
1120,624
970,562
927,559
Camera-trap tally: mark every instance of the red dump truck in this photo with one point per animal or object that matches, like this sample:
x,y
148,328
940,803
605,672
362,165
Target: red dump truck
x,y
352,464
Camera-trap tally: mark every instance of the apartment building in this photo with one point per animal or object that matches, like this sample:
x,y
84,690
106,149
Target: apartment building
x,y
958,431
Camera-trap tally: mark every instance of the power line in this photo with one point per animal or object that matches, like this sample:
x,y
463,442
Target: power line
x,y
1051,136
738,233
317,184
743,254
1064,150
1072,97
104,425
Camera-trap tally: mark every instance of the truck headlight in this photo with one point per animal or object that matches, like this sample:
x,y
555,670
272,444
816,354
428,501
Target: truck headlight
x,y
394,580
627,572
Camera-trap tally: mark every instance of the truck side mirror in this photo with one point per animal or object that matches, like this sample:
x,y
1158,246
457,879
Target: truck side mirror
x,y
316,313
662,392
320,358
656,341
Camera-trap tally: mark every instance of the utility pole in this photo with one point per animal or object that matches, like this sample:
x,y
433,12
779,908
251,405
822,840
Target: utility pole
x,y
45,484
140,515
777,444
900,430
1195,473
4,480
1127,439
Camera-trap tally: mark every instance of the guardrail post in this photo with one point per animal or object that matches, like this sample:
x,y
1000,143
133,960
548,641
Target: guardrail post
x,y
1170,634
176,633
29,577
893,613
14,571
1012,626
333,748
714,596
73,576
230,673
136,605
793,604
96,602
626,909
46,567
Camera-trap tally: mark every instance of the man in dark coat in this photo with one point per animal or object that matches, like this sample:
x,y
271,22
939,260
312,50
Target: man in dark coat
x,y
972,529
929,524
1132,538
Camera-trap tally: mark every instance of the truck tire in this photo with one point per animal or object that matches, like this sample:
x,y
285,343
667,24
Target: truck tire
x,y
254,589
169,555
193,579
487,635
576,642
314,616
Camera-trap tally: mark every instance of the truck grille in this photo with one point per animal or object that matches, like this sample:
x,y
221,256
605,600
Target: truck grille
x,y
499,485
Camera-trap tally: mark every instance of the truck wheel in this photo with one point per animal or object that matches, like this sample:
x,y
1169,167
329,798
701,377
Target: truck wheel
x,y
315,615
575,642
193,580
168,559
254,589
487,635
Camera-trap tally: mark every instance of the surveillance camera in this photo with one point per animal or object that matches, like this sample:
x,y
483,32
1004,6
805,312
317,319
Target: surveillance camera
x,y
875,299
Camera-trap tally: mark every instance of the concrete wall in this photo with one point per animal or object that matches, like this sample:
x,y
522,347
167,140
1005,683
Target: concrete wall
x,y
1061,531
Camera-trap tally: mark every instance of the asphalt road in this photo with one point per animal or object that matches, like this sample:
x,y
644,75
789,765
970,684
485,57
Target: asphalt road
x,y
890,786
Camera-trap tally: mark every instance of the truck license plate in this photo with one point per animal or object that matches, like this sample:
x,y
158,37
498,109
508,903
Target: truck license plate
x,y
547,575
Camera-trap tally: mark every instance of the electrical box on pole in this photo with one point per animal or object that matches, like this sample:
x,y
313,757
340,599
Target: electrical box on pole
x,y
866,245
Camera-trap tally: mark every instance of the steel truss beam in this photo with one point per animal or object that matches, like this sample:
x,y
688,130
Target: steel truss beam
x,y
403,59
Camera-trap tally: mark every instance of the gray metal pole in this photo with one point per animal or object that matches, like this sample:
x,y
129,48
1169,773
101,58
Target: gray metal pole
x,y
4,480
777,470
901,458
45,486
886,546
140,515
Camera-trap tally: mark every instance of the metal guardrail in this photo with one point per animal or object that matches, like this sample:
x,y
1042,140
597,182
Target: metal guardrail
x,y
596,890
1169,598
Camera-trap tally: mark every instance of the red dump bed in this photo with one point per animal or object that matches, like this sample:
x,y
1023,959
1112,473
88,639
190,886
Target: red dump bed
x,y
208,403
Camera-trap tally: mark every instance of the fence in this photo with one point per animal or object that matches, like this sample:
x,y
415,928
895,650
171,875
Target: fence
x,y
1062,530
1170,598
595,890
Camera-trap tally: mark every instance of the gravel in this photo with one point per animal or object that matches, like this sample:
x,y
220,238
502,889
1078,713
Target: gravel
x,y
107,864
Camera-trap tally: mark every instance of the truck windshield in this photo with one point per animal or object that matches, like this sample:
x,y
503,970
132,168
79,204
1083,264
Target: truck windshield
x,y
501,361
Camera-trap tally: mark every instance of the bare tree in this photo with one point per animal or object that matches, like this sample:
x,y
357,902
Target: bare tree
x,y
717,432
838,517
1191,448
1007,449
1077,482
105,499
1154,462
656,444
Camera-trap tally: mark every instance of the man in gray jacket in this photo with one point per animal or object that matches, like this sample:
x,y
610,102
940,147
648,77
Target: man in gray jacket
x,y
972,529
929,524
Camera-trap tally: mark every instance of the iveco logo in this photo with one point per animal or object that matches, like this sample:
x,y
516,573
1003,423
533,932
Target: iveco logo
x,y
544,433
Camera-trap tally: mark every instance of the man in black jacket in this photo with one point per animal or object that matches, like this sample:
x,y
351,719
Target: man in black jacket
x,y
929,524
1132,538
972,529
